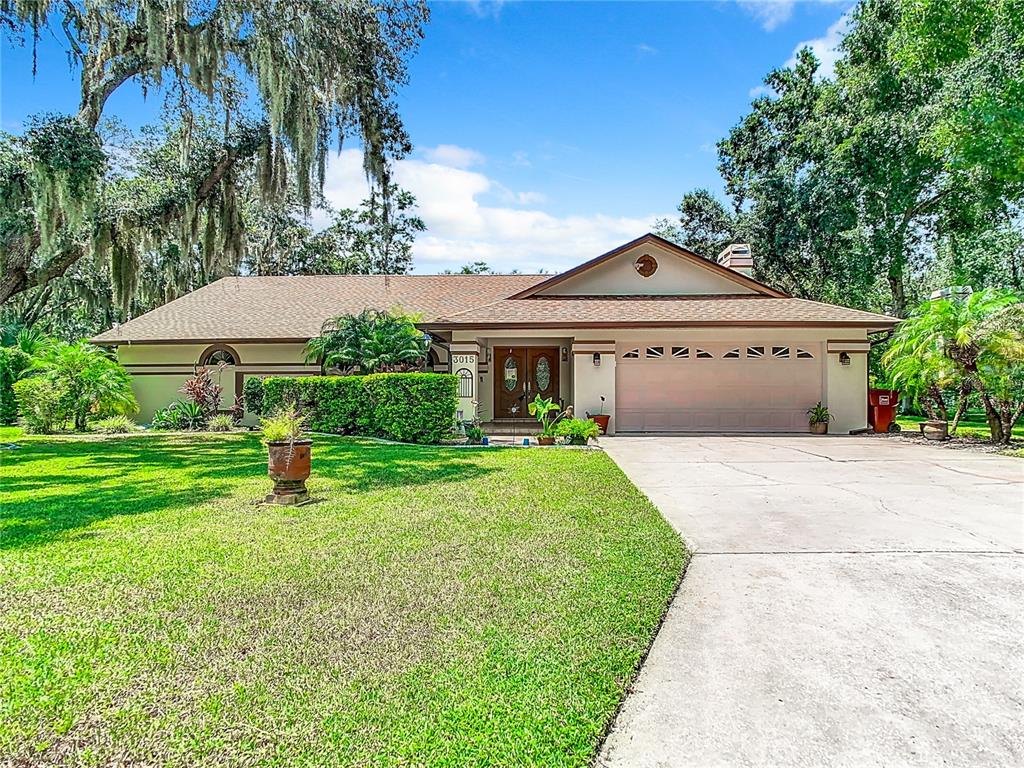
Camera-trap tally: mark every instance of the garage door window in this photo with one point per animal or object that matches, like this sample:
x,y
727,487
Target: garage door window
x,y
680,353
755,353
633,354
653,353
803,354
781,353
703,355
732,354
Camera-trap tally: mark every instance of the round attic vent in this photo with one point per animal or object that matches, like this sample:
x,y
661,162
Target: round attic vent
x,y
646,265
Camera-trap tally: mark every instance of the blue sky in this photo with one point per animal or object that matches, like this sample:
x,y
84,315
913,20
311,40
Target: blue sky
x,y
545,132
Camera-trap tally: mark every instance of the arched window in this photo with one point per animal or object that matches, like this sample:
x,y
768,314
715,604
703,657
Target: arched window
x,y
219,354
465,382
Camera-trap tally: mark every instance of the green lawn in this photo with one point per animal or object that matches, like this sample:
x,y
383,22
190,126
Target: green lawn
x,y
974,426
436,607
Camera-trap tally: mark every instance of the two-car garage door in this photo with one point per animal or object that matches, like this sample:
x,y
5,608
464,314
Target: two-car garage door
x,y
735,387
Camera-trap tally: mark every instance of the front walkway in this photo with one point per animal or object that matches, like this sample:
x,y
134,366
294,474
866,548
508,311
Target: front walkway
x,y
852,601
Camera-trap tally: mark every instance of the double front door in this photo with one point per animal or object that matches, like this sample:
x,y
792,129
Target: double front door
x,y
520,374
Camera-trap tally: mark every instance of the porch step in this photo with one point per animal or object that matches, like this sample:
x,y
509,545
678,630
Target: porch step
x,y
525,427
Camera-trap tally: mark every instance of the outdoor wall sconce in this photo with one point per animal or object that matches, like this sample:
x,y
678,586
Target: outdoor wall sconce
x,y
844,358
597,358
565,354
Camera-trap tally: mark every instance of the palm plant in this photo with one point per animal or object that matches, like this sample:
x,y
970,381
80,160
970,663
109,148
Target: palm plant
x,y
370,342
540,409
975,344
91,380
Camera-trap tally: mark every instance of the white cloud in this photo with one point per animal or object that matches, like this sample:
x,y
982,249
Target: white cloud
x,y
760,90
462,227
826,48
645,49
455,156
521,157
771,13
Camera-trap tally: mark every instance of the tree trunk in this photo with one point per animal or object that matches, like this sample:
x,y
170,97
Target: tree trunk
x,y
995,425
961,405
899,295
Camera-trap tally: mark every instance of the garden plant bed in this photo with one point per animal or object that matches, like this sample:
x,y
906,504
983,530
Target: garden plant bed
x,y
436,607
971,436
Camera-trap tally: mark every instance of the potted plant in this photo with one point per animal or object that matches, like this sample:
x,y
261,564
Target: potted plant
x,y
541,408
288,457
577,431
818,418
601,419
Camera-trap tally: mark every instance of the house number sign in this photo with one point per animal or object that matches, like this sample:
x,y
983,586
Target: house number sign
x,y
463,359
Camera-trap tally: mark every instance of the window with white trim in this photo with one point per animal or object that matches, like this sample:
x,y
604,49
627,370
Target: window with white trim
x,y
732,354
680,353
653,353
701,354
782,353
633,354
755,353
803,354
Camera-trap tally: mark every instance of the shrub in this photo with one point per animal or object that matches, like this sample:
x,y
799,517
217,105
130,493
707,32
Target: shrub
x,y
473,432
42,402
222,422
189,415
180,414
115,425
164,419
335,404
252,395
578,431
412,407
13,362
202,390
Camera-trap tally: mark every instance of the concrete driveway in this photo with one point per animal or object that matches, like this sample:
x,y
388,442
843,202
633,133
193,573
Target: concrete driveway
x,y
852,601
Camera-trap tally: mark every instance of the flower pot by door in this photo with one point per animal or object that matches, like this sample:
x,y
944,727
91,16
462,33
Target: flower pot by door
x,y
288,465
545,440
819,427
601,419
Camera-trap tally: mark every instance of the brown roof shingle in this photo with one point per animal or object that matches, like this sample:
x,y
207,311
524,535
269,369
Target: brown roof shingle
x,y
295,307
608,311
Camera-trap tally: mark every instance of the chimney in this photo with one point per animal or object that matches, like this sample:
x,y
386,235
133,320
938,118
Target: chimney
x,y
736,256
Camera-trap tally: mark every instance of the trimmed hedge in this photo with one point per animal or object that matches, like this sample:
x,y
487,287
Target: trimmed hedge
x,y
411,407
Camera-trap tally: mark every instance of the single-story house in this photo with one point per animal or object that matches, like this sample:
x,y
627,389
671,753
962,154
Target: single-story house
x,y
659,337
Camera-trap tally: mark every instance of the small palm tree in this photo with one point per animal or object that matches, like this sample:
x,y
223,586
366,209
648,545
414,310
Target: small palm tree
x,y
90,380
370,341
974,344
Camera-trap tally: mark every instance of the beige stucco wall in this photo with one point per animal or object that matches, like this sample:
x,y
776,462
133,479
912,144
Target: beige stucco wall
x,y
675,276
159,370
843,388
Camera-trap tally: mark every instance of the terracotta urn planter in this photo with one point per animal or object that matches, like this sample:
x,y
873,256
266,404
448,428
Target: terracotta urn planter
x,y
819,427
288,466
542,440
935,430
601,419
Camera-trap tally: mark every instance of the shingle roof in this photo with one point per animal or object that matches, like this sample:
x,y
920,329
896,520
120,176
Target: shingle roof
x,y
591,311
295,307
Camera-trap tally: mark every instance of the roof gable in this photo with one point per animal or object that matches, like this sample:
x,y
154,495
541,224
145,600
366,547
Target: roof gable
x,y
678,272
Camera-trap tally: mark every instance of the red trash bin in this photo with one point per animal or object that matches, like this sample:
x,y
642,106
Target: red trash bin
x,y
882,409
